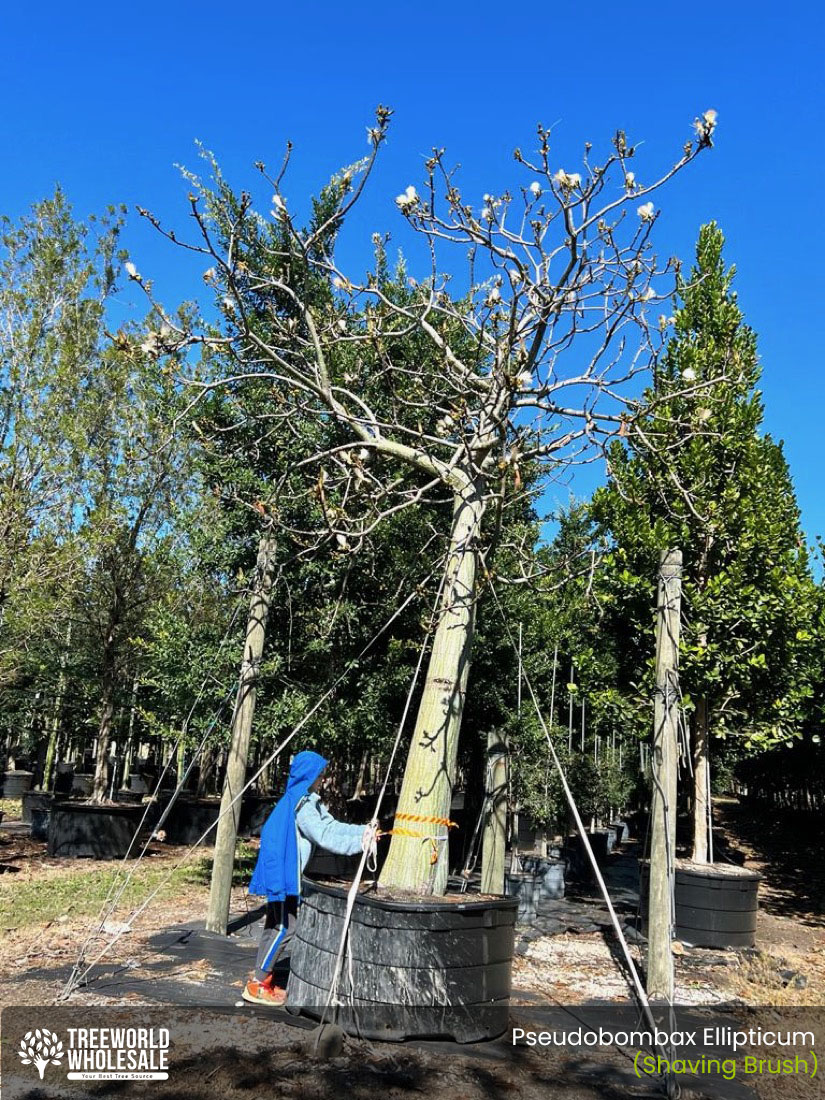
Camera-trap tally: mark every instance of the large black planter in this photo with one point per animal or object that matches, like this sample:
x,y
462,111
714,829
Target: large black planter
x,y
82,783
190,818
63,779
37,808
715,906
255,809
15,784
416,969
35,800
551,875
41,816
78,830
579,862
525,887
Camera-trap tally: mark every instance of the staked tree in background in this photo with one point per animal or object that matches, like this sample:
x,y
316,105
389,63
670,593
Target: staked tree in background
x,y
698,473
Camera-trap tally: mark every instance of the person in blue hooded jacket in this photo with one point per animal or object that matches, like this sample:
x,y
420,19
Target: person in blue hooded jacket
x,y
298,822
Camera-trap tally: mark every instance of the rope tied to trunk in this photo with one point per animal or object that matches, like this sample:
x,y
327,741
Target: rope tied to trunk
x,y
401,830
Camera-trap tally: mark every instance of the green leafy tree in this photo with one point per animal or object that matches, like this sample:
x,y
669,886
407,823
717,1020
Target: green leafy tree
x,y
56,277
698,474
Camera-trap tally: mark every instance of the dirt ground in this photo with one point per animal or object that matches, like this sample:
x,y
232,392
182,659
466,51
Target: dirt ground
x,y
571,967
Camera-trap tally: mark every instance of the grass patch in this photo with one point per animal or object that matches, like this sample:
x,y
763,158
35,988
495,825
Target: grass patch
x,y
82,892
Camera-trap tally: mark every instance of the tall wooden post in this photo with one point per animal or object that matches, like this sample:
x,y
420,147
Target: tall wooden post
x,y
224,860
495,821
663,768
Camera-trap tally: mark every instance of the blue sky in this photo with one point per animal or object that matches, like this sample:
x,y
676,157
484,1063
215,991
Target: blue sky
x,y
106,99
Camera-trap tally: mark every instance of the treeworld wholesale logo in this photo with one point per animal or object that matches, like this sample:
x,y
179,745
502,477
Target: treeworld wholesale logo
x,y
100,1053
39,1048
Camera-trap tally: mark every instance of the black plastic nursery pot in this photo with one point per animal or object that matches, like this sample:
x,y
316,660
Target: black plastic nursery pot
x,y
579,861
36,800
15,784
82,783
40,818
255,809
716,905
415,969
525,887
80,830
190,818
63,778
37,810
551,875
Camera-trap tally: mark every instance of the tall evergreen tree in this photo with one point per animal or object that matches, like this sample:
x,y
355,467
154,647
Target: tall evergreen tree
x,y
698,474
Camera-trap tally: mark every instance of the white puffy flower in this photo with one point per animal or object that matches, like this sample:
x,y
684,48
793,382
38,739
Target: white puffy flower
x,y
525,379
486,214
567,180
364,454
514,275
630,180
209,275
131,270
703,414
278,204
494,297
705,125
648,294
341,540
407,200
647,211
689,374
488,199
338,282
342,325
229,304
535,187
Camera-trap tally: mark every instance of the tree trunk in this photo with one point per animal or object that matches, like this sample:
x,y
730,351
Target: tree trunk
x,y
360,785
104,735
131,746
206,775
495,821
235,777
417,863
180,759
700,782
57,712
107,703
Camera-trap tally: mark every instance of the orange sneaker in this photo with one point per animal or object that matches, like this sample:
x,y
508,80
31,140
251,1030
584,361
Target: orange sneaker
x,y
264,993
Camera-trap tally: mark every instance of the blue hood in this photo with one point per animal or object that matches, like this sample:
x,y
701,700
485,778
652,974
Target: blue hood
x,y
277,873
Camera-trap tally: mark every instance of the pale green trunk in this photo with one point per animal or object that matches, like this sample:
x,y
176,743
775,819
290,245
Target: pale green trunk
x,y
700,784
495,818
430,772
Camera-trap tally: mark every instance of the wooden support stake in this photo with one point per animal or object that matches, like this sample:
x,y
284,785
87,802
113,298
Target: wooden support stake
x,y
224,860
664,769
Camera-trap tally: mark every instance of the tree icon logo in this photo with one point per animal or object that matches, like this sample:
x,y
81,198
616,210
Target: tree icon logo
x,y
39,1047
